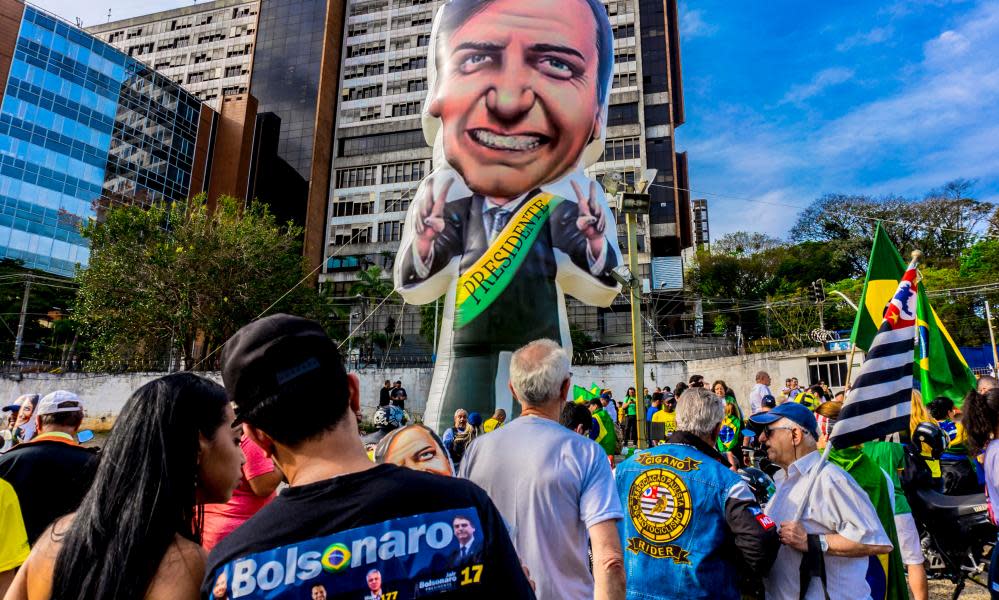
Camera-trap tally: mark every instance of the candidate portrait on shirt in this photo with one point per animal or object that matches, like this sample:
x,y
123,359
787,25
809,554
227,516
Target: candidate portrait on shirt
x,y
469,550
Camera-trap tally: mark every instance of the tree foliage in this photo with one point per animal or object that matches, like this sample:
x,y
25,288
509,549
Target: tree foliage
x,y
942,224
760,284
177,279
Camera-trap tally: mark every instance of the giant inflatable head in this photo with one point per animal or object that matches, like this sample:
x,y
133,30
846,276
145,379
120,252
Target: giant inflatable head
x,y
519,90
508,222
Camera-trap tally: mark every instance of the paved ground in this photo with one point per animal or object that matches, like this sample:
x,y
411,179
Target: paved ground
x,y
942,590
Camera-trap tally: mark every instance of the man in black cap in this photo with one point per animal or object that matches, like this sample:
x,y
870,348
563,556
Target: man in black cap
x,y
342,515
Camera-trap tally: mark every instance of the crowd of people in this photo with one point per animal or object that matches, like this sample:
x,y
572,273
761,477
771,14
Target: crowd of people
x,y
265,488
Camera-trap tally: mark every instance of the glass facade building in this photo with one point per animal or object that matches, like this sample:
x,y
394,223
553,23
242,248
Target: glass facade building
x,y
82,126
286,70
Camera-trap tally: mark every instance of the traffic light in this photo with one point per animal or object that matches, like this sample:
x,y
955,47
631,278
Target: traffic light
x,y
818,292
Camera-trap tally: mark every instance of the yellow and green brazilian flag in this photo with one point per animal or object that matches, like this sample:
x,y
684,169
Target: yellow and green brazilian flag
x,y
938,367
581,394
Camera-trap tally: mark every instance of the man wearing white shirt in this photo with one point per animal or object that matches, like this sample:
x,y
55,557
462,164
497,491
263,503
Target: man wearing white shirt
x,y
828,549
761,389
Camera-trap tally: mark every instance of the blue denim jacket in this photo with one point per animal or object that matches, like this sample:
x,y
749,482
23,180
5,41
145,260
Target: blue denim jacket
x,y
675,536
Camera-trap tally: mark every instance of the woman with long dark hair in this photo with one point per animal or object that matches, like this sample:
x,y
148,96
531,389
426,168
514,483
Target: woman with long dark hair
x,y
135,535
981,425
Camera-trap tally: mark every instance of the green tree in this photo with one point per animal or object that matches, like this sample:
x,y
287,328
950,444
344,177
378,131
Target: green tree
x,y
372,288
176,278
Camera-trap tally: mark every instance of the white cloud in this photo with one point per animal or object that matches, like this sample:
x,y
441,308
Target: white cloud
x,y
823,79
693,25
942,123
873,37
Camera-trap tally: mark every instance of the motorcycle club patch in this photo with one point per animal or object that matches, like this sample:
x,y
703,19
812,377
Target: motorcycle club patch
x,y
659,506
665,460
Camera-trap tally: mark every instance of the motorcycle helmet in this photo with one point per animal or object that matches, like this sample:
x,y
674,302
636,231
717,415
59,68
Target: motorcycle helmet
x,y
759,482
389,418
929,436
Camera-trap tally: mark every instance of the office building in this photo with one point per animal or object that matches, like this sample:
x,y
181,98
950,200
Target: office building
x,y
285,53
84,126
381,156
702,236
207,48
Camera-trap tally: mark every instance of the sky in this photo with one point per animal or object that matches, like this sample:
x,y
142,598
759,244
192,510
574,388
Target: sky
x,y
788,100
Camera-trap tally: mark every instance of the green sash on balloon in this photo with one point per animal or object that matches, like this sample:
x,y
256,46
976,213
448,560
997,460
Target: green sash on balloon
x,y
485,280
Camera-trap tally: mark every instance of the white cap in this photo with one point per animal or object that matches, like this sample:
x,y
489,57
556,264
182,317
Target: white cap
x,y
59,401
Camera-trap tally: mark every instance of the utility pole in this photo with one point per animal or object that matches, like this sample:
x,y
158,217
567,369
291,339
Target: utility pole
x,y
20,324
819,296
637,344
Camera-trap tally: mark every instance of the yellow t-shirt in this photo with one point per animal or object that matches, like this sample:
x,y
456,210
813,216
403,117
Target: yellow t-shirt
x,y
665,417
14,547
490,424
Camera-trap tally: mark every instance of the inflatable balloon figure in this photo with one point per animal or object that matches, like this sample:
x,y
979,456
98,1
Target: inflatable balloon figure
x,y
507,222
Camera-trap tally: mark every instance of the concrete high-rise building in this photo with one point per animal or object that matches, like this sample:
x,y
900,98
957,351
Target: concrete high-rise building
x,y
207,48
381,156
702,235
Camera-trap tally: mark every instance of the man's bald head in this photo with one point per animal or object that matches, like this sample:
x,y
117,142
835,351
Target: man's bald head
x,y
986,383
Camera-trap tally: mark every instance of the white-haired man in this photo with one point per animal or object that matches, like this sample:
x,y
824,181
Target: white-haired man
x,y
761,389
693,525
554,488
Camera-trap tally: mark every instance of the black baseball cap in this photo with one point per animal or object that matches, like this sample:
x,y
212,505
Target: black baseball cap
x,y
278,359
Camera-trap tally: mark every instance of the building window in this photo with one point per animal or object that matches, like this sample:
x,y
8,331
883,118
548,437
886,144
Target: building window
x,y
363,71
368,91
622,114
382,142
622,149
405,109
398,200
356,177
351,234
364,8
625,80
403,87
624,31
407,64
390,231
627,55
366,49
399,172
350,206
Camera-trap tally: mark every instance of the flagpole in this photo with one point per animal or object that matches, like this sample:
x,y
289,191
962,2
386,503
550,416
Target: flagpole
x,y
849,367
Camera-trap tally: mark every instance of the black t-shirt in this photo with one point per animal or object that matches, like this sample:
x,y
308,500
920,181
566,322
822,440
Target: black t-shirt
x,y
387,525
384,396
50,478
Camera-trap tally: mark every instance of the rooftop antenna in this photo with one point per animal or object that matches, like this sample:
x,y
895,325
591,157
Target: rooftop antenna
x,y
109,15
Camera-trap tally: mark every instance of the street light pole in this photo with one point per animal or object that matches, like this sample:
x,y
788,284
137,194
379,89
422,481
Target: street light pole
x,y
19,341
638,349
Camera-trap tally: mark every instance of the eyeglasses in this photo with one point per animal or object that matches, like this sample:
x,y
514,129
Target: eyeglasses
x,y
770,430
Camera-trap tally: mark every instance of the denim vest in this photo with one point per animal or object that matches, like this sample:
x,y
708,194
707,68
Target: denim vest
x,y
674,531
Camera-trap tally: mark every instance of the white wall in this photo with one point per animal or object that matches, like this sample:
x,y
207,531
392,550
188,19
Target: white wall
x,y
104,395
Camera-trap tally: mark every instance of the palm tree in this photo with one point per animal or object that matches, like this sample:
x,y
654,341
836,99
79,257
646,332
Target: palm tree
x,y
372,287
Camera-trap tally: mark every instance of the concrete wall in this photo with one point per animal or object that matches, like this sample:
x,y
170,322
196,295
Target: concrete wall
x,y
104,395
